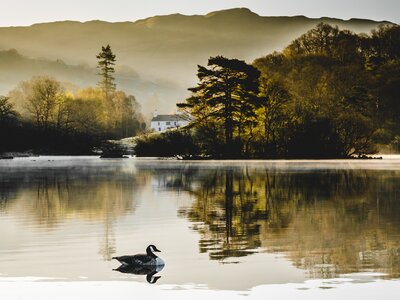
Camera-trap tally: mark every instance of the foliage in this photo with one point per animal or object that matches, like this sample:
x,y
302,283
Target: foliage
x,y
7,112
273,118
106,65
227,93
330,93
55,117
55,120
44,100
342,87
169,143
8,121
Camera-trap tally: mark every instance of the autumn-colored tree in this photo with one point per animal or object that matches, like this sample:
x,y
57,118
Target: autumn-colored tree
x,y
43,100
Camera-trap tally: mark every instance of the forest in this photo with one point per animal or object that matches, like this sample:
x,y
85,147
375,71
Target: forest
x,y
330,93
45,116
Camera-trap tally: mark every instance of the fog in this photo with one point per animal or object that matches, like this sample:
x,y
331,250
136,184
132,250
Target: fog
x,y
157,57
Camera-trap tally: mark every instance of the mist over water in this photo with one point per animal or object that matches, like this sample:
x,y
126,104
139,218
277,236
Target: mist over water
x,y
275,221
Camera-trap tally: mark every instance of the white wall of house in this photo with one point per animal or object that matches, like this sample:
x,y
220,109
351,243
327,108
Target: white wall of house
x,y
161,123
164,125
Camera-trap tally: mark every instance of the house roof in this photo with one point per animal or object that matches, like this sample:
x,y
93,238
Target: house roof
x,y
171,118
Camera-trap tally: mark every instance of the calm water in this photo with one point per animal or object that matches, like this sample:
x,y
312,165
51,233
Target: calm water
x,y
220,225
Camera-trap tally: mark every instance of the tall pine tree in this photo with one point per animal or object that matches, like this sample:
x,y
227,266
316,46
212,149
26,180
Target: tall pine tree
x,y
106,65
227,91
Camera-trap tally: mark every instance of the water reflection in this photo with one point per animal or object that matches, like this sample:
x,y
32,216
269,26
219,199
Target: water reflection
x,y
149,271
327,222
227,214
51,196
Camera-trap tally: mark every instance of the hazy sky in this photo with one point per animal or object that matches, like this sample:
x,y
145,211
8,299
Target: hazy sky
x,y
26,12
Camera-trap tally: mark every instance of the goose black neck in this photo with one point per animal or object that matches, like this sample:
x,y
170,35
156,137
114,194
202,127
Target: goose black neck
x,y
150,253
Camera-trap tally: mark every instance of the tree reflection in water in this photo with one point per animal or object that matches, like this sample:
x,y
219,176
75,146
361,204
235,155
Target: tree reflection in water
x,y
327,222
52,196
230,213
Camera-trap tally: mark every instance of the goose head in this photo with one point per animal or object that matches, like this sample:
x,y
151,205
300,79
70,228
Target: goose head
x,y
151,249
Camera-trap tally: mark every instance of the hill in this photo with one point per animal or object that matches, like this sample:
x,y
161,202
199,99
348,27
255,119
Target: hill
x,y
162,49
15,67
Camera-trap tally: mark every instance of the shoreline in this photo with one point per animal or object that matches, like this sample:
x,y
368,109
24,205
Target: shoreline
x,y
12,155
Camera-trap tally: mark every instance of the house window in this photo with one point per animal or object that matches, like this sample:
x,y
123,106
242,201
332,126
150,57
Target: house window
x,y
175,123
168,123
158,123
159,129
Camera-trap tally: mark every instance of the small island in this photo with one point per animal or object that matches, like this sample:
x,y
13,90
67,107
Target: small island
x,y
315,99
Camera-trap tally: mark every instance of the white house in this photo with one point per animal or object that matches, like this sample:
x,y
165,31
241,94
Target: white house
x,y
163,122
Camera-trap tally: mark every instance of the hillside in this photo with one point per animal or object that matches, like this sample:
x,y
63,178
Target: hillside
x,y
15,67
162,49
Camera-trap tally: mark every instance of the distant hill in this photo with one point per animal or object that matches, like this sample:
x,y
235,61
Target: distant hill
x,y
164,50
15,67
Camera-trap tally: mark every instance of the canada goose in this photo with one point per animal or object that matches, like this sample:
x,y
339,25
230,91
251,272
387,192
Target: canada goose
x,y
148,259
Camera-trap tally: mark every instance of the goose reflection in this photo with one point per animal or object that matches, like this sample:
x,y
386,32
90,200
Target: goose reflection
x,y
149,271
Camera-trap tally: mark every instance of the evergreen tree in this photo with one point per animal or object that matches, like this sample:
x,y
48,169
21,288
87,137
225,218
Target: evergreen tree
x,y
106,65
7,112
227,91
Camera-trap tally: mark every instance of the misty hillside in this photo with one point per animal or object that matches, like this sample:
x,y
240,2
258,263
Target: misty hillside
x,y
15,67
160,49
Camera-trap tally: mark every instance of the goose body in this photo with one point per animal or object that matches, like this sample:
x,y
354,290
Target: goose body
x,y
148,259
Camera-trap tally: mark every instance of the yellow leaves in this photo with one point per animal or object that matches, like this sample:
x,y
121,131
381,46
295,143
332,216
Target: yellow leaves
x,y
90,93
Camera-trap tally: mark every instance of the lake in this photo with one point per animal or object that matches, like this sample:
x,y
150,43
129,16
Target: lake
x,y
226,229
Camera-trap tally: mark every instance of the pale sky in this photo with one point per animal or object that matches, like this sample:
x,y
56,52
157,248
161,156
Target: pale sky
x,y
27,12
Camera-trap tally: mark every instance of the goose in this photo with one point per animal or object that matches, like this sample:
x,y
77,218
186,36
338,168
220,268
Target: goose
x,y
148,259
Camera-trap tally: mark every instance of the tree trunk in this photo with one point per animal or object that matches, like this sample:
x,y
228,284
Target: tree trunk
x,y
228,125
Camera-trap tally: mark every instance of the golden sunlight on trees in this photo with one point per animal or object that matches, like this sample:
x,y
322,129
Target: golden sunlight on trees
x,y
330,93
228,92
273,115
43,100
74,120
56,117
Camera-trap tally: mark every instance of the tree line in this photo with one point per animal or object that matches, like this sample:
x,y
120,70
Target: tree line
x,y
330,93
48,116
